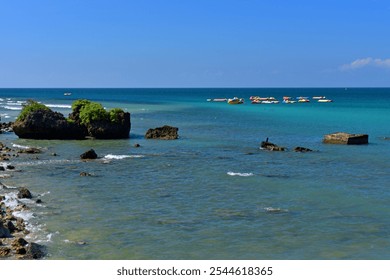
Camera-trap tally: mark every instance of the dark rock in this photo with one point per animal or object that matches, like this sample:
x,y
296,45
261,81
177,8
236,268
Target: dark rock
x,y
346,138
4,251
110,130
165,133
271,146
20,250
91,154
24,193
302,149
34,251
11,227
10,167
4,232
85,174
19,242
38,201
46,124
2,168
137,145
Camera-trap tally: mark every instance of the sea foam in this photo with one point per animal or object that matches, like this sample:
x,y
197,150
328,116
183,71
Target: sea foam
x,y
111,156
239,174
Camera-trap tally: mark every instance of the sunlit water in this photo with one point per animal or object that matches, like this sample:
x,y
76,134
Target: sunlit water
x,y
212,194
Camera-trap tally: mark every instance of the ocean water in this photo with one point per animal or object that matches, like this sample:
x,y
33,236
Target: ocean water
x,y
212,194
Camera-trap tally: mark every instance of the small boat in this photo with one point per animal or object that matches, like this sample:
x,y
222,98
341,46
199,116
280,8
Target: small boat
x,y
287,100
319,97
235,100
324,100
303,100
67,93
217,99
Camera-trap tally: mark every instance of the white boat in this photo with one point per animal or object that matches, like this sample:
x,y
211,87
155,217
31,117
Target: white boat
x,y
217,99
324,100
319,97
67,93
235,100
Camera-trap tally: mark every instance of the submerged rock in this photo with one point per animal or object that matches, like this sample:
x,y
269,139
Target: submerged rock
x,y
345,138
271,146
164,133
302,149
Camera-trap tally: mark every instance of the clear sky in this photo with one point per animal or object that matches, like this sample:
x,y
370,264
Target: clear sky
x,y
194,43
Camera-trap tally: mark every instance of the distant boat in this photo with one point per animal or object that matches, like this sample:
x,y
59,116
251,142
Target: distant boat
x,y
303,99
325,100
217,99
235,100
319,97
67,93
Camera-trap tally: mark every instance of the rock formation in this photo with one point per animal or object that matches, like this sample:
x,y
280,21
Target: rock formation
x,y
346,138
43,123
165,133
90,154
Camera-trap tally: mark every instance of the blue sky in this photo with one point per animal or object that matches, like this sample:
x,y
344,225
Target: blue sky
x,y
194,43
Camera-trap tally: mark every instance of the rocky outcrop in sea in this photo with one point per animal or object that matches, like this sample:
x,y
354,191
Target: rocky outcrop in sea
x,y
47,124
164,133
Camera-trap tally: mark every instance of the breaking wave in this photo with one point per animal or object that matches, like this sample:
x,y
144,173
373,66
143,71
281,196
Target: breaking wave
x,y
239,174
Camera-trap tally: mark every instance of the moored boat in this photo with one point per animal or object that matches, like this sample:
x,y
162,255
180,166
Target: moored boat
x,y
324,100
217,99
235,100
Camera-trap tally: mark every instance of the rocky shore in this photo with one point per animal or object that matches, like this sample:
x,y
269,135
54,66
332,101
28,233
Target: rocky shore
x,y
14,232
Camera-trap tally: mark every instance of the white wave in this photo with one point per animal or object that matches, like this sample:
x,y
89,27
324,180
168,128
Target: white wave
x,y
239,174
25,215
11,200
43,162
15,108
59,106
110,156
20,146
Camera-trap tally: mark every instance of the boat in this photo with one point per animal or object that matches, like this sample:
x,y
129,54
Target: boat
x,y
288,100
324,100
235,100
67,93
319,97
263,100
303,99
217,99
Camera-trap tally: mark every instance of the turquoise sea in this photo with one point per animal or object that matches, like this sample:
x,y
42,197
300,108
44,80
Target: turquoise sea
x,y
210,194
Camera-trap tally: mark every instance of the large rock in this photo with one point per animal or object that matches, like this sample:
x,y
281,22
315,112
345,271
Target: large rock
x,y
90,154
46,124
165,133
345,138
110,130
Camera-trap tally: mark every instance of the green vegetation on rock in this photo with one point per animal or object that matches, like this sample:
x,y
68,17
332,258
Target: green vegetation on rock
x,y
29,107
89,111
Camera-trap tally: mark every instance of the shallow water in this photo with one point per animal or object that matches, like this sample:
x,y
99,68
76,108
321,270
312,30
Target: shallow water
x,y
207,195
